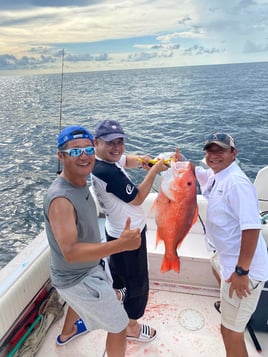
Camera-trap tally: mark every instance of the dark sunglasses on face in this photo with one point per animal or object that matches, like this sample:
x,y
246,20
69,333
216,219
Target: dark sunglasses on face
x,y
217,136
224,138
74,152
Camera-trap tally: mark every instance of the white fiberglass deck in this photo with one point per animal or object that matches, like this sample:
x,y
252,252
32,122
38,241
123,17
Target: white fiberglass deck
x,y
180,308
180,305
188,326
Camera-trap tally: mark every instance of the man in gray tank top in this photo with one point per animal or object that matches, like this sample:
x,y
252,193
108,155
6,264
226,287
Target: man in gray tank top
x,y
77,268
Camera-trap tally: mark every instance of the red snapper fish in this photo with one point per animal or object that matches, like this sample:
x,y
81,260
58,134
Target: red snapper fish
x,y
175,211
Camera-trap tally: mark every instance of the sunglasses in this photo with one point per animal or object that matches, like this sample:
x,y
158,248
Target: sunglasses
x,y
217,136
224,138
74,152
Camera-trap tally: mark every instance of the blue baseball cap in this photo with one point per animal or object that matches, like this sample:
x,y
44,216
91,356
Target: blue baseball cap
x,y
108,130
73,132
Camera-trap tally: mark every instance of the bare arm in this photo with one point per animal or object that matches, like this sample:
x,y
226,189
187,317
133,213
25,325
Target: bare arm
x,y
248,245
146,185
135,161
62,217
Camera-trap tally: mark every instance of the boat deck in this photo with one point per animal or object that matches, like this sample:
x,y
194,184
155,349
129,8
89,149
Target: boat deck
x,y
180,306
187,324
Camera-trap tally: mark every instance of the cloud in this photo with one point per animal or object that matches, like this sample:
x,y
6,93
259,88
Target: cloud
x,y
77,58
244,4
26,4
25,62
251,47
11,62
178,35
45,50
141,56
200,50
102,57
184,20
158,46
110,32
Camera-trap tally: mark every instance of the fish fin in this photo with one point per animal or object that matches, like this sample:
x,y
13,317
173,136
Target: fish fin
x,y
195,215
154,207
168,264
158,238
153,210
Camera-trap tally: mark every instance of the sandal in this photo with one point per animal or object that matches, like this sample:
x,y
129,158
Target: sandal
x,y
145,335
122,294
217,306
81,329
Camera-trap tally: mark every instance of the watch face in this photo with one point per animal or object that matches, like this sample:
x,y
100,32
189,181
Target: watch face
x,y
240,271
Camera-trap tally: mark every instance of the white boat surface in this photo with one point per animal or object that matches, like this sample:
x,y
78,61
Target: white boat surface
x,y
180,305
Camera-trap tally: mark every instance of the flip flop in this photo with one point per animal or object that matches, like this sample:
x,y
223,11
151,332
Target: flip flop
x,y
217,306
145,335
122,292
81,329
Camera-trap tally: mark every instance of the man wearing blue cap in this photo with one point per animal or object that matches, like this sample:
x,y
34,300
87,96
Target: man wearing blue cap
x,y
233,229
77,268
119,198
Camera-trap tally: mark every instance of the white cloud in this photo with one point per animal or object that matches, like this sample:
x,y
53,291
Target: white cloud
x,y
252,47
212,31
178,35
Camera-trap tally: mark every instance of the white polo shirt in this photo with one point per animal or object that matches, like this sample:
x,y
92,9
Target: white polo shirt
x,y
232,208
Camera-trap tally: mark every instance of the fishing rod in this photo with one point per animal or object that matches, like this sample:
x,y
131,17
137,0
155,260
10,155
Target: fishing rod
x,y
61,94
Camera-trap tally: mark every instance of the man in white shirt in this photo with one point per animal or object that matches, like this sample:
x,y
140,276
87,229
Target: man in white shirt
x,y
233,228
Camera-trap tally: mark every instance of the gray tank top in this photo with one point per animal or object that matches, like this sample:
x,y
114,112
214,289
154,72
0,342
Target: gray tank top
x,y
64,274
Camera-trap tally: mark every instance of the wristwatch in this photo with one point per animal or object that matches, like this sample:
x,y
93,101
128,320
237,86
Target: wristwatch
x,y
239,271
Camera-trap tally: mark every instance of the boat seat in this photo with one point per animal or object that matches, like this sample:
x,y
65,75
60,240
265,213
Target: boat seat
x,y
261,184
21,279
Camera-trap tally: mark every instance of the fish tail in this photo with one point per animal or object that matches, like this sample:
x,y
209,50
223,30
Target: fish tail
x,y
168,264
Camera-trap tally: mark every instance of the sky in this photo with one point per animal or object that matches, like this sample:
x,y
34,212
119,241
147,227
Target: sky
x,y
127,34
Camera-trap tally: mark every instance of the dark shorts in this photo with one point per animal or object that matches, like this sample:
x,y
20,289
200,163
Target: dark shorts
x,y
130,269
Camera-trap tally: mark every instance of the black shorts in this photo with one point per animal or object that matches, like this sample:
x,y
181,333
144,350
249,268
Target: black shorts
x,y
130,269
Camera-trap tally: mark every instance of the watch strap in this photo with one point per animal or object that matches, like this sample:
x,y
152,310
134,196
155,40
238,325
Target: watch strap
x,y
240,271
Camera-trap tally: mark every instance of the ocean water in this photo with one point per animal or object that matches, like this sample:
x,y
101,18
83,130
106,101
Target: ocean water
x,y
160,109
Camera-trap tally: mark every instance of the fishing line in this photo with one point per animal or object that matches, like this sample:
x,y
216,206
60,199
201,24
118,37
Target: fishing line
x,y
61,93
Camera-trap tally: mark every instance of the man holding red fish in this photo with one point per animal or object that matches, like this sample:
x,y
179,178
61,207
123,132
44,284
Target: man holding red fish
x,y
233,228
120,198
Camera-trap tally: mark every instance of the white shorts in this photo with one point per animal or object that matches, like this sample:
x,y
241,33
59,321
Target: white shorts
x,y
95,301
214,261
236,312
